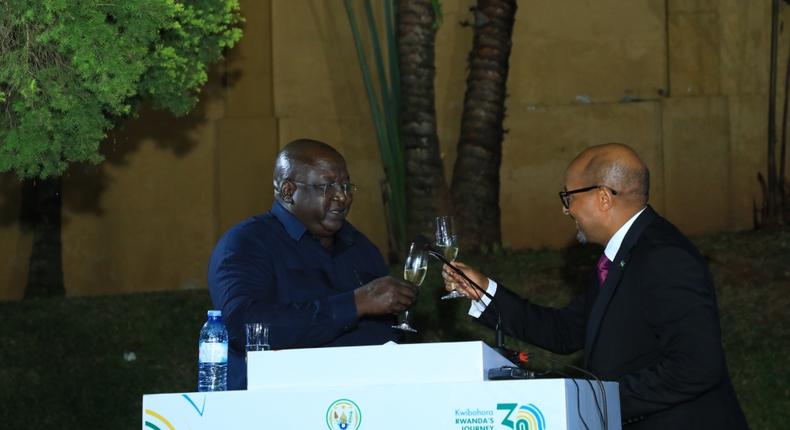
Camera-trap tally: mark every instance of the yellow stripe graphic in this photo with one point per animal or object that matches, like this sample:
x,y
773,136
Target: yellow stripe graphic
x,y
529,417
163,419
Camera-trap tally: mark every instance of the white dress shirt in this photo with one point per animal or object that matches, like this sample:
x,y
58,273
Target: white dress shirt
x,y
478,306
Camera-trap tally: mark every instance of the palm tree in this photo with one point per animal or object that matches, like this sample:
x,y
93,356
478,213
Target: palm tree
x,y
475,186
775,209
409,88
426,189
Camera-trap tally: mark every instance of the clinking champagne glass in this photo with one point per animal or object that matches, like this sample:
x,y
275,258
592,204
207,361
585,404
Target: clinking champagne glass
x,y
447,242
414,270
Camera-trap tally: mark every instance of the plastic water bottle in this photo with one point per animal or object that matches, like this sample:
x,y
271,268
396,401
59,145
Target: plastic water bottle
x,y
213,354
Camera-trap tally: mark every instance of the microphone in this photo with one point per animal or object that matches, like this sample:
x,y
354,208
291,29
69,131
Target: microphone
x,y
519,357
422,242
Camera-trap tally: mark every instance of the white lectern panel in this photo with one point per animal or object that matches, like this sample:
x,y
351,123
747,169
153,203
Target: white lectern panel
x,y
543,404
373,365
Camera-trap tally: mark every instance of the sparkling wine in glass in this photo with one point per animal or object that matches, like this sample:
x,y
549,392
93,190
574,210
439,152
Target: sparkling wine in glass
x,y
415,275
414,270
447,242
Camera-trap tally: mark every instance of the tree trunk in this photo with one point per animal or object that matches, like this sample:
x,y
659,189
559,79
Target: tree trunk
x,y
41,213
426,189
781,178
772,185
475,186
770,209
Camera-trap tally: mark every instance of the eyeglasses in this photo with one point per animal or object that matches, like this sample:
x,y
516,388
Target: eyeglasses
x,y
347,189
565,196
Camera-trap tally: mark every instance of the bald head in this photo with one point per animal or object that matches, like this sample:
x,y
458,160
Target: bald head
x,y
311,182
298,155
618,167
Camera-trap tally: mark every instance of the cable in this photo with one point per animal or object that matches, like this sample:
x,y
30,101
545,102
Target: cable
x,y
423,243
598,405
523,357
578,398
604,415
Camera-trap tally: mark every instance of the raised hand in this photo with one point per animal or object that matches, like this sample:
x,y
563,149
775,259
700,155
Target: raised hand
x,y
384,296
453,280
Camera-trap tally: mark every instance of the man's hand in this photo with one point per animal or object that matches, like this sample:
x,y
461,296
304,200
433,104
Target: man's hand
x,y
453,280
384,296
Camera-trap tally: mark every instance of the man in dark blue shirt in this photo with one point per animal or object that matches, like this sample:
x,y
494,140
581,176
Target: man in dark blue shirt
x,y
302,268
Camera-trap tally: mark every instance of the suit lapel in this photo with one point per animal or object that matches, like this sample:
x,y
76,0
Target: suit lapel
x,y
613,278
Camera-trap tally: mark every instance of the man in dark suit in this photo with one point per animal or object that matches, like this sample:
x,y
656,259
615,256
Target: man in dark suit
x,y
649,321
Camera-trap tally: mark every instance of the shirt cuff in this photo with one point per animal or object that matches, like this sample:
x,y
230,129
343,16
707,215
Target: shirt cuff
x,y
344,310
478,306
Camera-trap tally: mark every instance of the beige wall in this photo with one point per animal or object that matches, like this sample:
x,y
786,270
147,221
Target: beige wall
x,y
684,82
318,93
539,147
153,223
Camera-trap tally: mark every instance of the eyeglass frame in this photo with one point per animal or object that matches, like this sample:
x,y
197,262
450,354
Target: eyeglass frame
x,y
347,188
565,196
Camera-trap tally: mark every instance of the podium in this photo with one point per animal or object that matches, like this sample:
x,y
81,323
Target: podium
x,y
421,386
386,364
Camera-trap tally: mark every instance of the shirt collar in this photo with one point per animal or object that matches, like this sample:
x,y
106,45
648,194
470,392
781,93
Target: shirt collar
x,y
613,246
297,230
292,225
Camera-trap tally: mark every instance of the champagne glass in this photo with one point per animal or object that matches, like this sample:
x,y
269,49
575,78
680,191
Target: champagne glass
x,y
447,242
414,271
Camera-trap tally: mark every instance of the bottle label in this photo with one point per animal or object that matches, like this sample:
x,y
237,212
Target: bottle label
x,y
213,352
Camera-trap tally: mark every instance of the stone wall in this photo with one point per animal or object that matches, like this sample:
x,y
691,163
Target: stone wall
x,y
684,82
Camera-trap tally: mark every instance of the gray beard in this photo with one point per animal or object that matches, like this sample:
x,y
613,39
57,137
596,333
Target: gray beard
x,y
581,237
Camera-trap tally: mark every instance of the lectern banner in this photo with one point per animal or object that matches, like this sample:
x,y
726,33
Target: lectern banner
x,y
488,405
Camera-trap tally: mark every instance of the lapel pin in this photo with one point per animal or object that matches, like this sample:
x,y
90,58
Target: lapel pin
x,y
622,263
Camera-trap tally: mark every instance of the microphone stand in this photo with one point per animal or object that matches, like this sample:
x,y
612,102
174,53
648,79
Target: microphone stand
x,y
509,354
499,334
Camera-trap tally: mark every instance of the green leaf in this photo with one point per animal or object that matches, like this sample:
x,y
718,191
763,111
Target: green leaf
x,y
70,70
384,114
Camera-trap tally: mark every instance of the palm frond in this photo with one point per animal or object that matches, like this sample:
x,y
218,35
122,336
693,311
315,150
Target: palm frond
x,y
384,105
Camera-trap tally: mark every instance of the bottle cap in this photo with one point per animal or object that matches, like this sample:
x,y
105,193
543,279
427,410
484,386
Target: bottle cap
x,y
214,313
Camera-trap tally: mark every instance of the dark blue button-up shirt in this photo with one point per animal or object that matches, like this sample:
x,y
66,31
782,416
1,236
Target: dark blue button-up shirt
x,y
269,268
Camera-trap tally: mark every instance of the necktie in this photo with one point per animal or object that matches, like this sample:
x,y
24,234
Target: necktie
x,y
603,269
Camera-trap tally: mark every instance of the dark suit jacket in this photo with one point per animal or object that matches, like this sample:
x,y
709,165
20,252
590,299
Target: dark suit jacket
x,y
653,327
